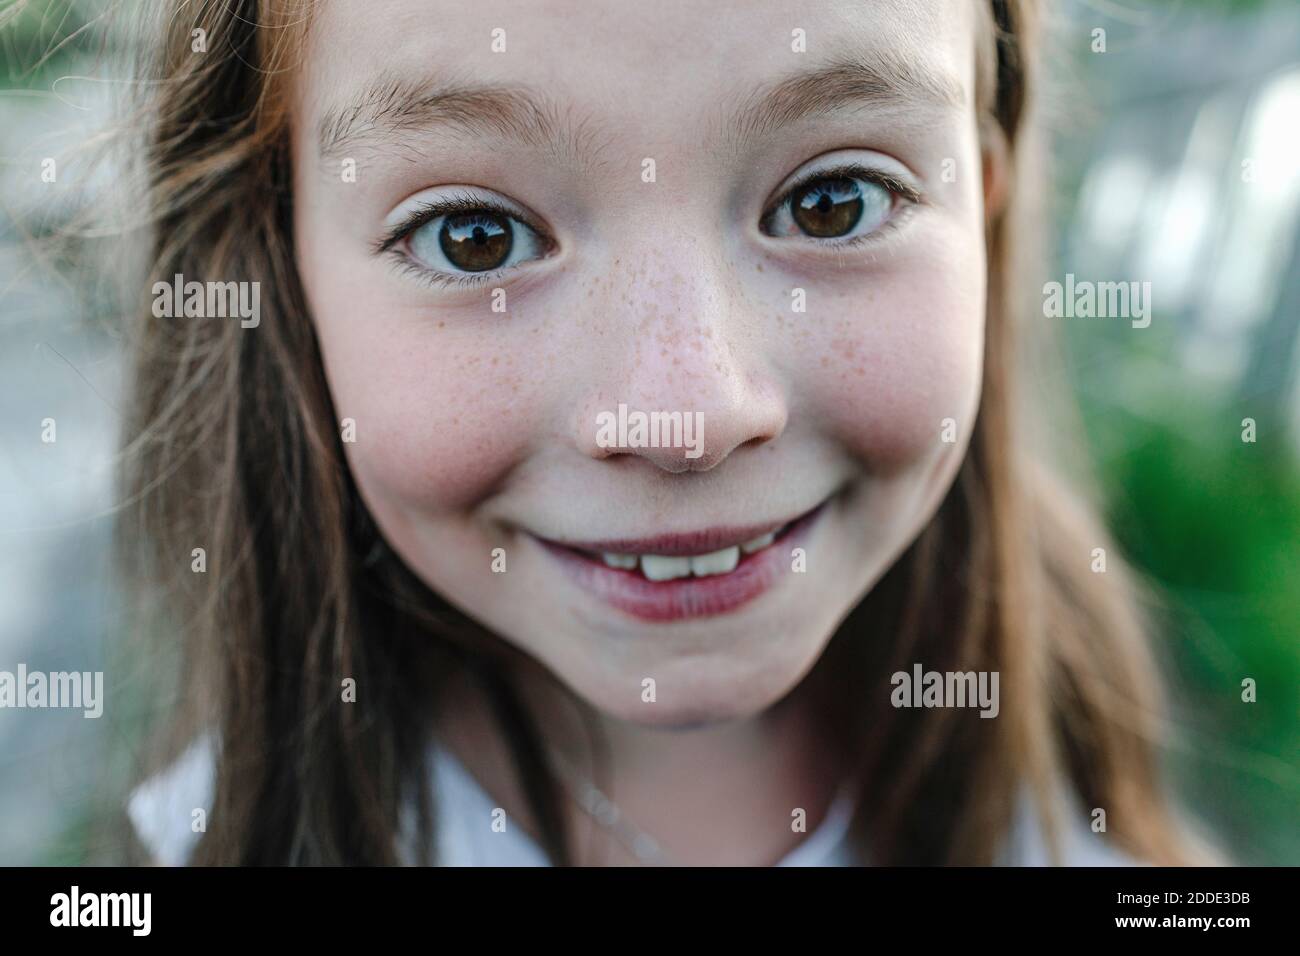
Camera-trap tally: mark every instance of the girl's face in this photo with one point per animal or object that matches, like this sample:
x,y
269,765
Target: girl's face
x,y
522,230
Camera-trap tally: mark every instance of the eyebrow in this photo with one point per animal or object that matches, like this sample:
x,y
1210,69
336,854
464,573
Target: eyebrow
x,y
877,80
393,105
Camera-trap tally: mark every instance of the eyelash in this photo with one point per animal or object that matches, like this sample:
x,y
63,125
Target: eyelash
x,y
462,203
457,204
898,188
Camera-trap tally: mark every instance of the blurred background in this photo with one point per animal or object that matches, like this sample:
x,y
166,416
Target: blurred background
x,y
1176,142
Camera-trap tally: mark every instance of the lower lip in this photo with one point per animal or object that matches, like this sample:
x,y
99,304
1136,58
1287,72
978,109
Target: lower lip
x,y
683,598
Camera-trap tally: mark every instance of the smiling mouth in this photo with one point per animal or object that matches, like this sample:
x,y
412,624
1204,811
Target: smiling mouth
x,y
673,576
670,557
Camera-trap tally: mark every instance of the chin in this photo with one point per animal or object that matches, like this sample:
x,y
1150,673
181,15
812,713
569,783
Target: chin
x,y
694,703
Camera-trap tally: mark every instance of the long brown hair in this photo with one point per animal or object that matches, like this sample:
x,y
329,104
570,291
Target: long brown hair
x,y
232,446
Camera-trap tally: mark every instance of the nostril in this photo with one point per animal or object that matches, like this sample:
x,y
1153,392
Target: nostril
x,y
758,441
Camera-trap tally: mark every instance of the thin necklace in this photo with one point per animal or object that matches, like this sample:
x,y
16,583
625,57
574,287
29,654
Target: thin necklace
x,y
593,801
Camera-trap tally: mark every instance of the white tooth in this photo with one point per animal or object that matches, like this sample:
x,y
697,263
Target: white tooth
x,y
625,561
759,543
659,568
715,562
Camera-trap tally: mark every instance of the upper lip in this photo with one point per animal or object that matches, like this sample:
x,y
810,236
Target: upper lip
x,y
672,544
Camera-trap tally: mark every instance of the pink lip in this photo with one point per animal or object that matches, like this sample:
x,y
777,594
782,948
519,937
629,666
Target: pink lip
x,y
660,601
668,545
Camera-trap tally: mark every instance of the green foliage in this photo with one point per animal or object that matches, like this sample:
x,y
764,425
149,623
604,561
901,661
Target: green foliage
x,y
37,40
1214,522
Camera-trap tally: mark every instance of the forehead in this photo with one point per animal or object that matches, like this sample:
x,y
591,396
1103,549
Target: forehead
x,y
629,66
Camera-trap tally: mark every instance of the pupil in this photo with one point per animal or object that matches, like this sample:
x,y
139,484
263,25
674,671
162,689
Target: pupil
x,y
828,207
476,241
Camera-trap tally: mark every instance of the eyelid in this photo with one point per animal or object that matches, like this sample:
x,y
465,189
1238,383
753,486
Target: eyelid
x,y
426,211
443,280
846,170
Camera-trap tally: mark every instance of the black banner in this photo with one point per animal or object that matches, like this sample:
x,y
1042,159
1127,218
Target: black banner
x,y
334,906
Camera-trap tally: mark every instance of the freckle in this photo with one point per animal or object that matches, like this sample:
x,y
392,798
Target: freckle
x,y
494,360
760,267
442,325
826,361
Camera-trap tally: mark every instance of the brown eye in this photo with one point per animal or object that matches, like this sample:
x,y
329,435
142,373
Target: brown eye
x,y
827,208
476,241
835,205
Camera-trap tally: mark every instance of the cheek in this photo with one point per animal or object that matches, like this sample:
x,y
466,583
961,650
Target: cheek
x,y
900,354
442,411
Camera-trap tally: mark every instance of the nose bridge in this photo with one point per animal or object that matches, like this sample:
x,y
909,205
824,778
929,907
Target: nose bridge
x,y
685,383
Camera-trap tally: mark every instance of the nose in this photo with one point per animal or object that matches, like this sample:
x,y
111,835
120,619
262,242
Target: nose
x,y
686,379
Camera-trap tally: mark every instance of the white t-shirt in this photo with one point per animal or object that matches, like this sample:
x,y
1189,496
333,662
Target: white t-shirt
x,y
162,812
